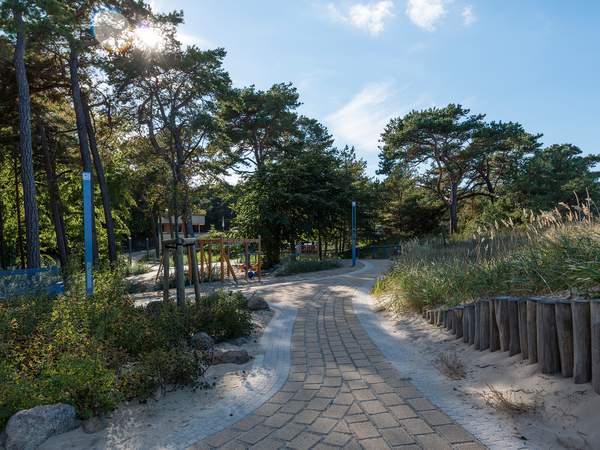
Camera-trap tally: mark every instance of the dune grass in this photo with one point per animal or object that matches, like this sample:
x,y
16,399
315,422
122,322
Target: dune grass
x,y
554,254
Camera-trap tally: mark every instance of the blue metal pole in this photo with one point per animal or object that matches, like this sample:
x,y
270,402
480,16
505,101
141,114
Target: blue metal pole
x,y
87,228
353,234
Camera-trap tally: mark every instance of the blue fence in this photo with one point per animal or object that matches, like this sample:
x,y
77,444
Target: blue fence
x,y
28,280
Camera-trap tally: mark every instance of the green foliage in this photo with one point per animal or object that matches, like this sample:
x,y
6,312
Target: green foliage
x,y
303,266
554,255
93,351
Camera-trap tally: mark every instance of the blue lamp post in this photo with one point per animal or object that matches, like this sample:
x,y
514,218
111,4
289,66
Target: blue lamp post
x,y
353,234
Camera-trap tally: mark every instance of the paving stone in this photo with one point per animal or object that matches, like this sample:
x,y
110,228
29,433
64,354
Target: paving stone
x,y
436,418
357,384
304,441
409,392
292,386
471,446
433,442
316,371
248,422
356,418
417,426
278,420
395,382
454,434
305,394
351,375
288,432
363,395
391,399
293,407
402,412
329,392
255,435
281,397
354,409
344,399
267,444
382,388
385,420
364,430
320,404
332,381
374,444
336,411
218,439
337,439
420,404
323,447
314,379
296,377
307,416
322,425
397,436
233,446
342,427
268,409
373,407
197,446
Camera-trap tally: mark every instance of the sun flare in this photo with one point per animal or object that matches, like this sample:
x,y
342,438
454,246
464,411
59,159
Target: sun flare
x,y
149,37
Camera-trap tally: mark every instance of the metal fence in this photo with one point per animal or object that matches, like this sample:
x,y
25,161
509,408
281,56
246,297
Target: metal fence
x,y
31,280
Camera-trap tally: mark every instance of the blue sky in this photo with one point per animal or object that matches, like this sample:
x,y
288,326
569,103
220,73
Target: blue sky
x,y
358,64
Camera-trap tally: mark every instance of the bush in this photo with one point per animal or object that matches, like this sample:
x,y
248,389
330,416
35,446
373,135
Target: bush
x,y
93,351
303,266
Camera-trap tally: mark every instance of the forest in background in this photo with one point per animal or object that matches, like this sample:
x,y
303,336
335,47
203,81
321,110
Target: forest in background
x,y
161,127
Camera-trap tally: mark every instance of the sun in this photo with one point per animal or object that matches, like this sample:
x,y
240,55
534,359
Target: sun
x,y
149,37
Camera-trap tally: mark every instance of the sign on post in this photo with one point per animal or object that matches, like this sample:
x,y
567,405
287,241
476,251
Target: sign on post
x,y
87,228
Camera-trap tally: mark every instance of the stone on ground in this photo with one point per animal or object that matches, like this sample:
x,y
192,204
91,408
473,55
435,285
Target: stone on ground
x,y
92,425
30,428
235,355
202,341
258,303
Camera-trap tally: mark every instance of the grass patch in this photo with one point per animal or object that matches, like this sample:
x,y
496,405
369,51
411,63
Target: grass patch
x,y
507,402
294,267
556,254
451,366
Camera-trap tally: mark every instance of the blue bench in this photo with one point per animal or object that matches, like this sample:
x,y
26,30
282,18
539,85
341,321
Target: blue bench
x,y
15,282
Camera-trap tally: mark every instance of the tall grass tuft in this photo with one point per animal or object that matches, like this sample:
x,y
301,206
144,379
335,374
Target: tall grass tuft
x,y
554,254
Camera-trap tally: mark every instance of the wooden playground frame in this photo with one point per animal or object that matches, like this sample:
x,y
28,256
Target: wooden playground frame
x,y
224,246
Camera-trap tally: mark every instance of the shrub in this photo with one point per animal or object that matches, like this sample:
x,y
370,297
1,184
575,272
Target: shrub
x,y
303,266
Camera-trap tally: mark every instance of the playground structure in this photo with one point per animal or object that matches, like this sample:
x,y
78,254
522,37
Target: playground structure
x,y
221,249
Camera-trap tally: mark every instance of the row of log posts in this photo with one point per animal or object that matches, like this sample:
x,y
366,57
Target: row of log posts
x,y
558,335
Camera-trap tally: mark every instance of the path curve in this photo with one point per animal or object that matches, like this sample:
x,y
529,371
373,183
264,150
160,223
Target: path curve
x,y
325,383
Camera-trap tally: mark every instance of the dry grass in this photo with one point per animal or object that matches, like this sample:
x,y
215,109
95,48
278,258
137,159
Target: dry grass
x,y
451,366
507,402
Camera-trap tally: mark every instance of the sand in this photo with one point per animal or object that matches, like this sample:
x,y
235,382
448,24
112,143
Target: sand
x,y
565,414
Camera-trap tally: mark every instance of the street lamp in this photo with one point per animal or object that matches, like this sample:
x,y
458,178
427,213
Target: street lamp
x,y
353,234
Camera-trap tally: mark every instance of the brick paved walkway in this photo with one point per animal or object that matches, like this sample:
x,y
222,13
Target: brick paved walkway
x,y
339,390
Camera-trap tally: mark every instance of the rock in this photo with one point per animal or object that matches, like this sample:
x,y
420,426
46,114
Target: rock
x,y
235,355
155,306
202,341
92,425
240,341
28,429
258,303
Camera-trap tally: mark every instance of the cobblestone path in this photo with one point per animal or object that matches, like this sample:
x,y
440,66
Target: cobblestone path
x,y
331,388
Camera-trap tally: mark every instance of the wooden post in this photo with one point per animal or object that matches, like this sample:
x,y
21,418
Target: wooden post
x,y
246,265
454,322
432,316
484,326
259,257
523,328
194,272
222,259
547,338
477,334
180,274
450,317
445,319
465,325
189,255
210,261
202,260
501,307
532,330
166,270
514,342
582,348
494,331
564,330
458,315
471,319
595,334
424,312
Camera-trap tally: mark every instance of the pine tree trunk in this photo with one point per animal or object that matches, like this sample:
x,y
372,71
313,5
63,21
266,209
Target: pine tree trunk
x,y
453,210
32,229
83,139
61,243
110,230
18,205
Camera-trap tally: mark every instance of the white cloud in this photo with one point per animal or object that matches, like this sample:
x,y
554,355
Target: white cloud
x,y
469,16
361,121
424,13
368,17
